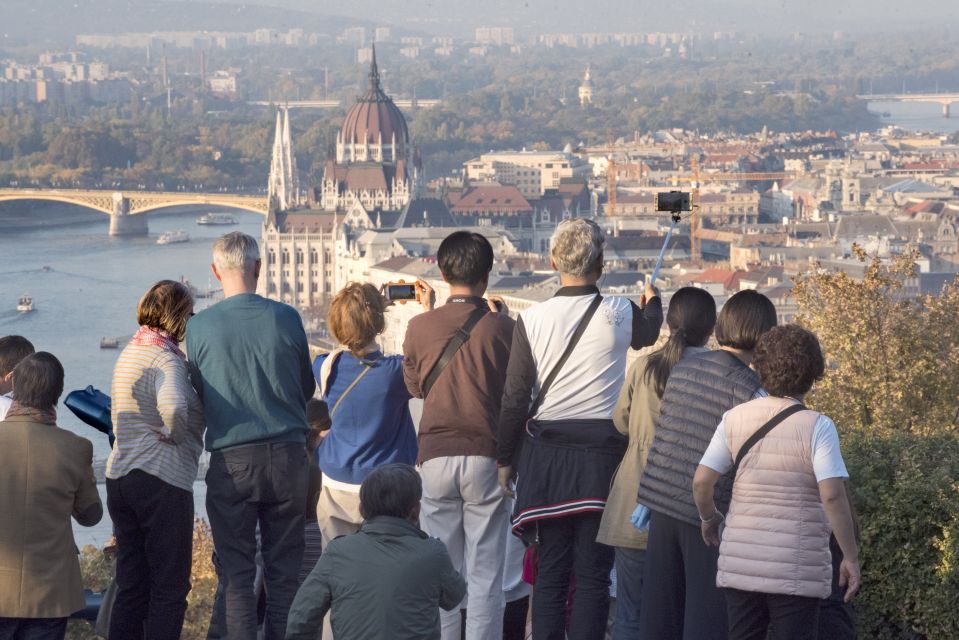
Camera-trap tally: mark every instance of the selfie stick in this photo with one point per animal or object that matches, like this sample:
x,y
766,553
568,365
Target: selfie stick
x,y
662,252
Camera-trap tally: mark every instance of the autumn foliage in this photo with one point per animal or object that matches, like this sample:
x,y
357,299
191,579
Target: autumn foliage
x,y
893,390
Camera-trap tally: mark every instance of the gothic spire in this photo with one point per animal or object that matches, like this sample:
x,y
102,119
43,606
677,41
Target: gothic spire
x,y
374,71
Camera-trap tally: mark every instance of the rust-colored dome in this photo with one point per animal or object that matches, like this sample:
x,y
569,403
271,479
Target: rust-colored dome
x,y
374,115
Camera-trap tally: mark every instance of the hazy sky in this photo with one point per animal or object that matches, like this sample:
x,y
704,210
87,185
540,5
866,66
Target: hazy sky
x,y
651,15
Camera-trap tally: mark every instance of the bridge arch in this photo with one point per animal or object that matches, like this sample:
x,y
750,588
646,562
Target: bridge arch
x,y
211,202
103,207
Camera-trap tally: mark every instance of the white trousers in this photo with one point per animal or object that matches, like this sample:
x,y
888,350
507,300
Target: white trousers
x,y
464,507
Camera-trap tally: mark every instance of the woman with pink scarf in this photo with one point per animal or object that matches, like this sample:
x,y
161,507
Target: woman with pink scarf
x,y
158,423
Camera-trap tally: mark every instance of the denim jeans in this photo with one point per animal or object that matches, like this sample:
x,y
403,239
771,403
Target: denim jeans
x,y
33,628
630,565
153,523
263,484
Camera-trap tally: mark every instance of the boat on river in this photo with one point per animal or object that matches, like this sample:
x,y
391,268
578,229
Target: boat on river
x,y
216,219
25,304
173,237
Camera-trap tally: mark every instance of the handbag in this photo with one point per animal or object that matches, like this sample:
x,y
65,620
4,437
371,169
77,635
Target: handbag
x,y
93,407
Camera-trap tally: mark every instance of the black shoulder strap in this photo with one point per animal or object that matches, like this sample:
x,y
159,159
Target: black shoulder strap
x,y
573,341
762,431
458,340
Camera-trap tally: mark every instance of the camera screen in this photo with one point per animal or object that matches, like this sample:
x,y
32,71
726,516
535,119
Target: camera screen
x,y
674,201
401,292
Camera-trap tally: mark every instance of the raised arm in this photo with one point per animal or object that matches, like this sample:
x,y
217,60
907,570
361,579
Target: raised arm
x,y
648,321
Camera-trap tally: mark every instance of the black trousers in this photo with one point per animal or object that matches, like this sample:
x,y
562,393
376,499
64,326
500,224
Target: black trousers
x,y
33,628
753,615
514,619
263,484
568,548
153,524
680,598
837,619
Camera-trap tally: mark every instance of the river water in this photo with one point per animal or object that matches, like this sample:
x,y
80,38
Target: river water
x,y
85,286
917,116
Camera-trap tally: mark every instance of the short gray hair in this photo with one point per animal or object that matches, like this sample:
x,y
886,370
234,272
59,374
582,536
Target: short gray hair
x,y
577,246
235,251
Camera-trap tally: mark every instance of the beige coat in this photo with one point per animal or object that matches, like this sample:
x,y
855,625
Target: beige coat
x,y
635,415
46,475
777,536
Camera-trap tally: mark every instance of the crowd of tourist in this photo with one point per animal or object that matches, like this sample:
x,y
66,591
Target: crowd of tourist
x,y
691,496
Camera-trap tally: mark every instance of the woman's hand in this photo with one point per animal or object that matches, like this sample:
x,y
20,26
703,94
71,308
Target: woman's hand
x,y
425,294
849,577
710,531
505,477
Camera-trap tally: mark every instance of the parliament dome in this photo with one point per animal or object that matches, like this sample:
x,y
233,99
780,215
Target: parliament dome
x,y
374,118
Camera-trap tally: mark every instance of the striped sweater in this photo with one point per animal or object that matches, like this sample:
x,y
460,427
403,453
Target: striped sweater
x,y
157,417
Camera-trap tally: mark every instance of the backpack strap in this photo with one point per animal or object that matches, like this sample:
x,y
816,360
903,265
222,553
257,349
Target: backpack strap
x,y
458,340
573,341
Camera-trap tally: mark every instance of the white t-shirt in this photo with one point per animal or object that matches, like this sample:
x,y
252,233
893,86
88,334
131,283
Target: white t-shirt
x,y
827,459
5,402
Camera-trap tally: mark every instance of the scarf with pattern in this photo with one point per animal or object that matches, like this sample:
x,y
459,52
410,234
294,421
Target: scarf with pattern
x,y
148,336
44,416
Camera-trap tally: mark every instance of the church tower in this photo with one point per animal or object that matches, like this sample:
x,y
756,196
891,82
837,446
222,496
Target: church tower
x,y
586,90
284,185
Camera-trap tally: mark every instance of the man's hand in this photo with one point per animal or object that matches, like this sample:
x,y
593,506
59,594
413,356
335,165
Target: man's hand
x,y
849,577
425,294
505,477
650,293
497,304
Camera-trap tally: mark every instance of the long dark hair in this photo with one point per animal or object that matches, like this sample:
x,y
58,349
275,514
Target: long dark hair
x,y
691,318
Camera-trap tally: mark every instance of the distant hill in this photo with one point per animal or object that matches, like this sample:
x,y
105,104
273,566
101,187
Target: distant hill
x,y
59,21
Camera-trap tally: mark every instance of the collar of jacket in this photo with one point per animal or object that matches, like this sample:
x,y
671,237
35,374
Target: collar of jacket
x,y
475,300
28,419
388,525
582,290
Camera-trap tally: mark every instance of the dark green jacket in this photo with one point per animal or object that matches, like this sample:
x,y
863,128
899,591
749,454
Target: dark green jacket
x,y
386,582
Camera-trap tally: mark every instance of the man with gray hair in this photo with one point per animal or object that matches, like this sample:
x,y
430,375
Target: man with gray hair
x,y
250,363
566,367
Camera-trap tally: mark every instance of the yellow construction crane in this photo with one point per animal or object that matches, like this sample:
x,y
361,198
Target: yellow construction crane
x,y
696,179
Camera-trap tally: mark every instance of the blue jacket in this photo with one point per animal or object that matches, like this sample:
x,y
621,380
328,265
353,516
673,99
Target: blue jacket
x,y
372,426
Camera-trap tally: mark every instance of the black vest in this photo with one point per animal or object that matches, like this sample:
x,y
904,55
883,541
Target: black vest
x,y
699,391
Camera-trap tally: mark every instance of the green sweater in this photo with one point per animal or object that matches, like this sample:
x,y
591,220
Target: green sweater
x,y
387,581
250,363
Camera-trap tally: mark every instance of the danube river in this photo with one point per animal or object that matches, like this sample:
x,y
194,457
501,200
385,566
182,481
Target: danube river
x,y
85,286
917,116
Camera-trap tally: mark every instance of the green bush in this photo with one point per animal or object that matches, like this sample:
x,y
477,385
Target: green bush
x,y
906,490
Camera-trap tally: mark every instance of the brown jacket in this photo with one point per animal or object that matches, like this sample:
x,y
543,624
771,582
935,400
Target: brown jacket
x,y
46,475
777,535
462,410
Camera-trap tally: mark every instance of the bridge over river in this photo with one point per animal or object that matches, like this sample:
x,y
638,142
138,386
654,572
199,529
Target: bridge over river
x,y
945,99
128,209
